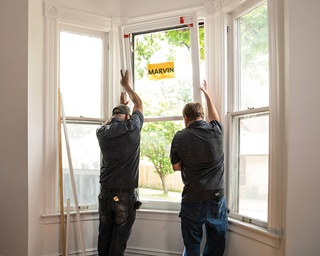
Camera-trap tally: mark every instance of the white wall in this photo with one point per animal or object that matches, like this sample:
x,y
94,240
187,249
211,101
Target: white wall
x,y
303,204
24,232
35,125
14,121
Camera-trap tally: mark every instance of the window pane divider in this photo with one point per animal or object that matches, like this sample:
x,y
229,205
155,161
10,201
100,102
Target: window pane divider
x,y
162,118
249,111
81,119
72,119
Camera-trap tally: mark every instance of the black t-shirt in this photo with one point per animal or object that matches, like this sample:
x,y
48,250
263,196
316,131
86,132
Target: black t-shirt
x,y
199,147
119,142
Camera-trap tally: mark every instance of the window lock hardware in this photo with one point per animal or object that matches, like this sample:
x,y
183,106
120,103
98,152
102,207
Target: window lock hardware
x,y
83,207
246,219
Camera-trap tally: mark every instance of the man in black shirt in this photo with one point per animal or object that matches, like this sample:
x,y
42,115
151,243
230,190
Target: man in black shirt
x,y
197,151
119,141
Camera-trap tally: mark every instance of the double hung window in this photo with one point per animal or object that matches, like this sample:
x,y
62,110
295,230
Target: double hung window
x,y
248,165
83,55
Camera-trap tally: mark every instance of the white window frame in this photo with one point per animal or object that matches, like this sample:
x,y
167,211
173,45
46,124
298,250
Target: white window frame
x,y
56,18
104,96
163,21
105,74
232,113
273,231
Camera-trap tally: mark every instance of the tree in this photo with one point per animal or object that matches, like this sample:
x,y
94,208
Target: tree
x,y
155,146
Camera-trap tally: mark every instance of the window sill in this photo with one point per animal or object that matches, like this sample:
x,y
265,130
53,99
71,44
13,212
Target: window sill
x,y
143,214
54,218
251,231
260,234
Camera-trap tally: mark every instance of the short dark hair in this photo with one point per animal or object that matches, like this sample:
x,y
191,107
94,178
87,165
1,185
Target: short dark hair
x,y
193,111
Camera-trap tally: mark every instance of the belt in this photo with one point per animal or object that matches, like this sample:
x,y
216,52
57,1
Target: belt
x,y
119,190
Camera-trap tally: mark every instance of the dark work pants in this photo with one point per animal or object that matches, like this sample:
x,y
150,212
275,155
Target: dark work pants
x,y
116,217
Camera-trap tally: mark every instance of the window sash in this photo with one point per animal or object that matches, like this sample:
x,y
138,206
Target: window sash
x,y
127,59
164,23
234,154
104,70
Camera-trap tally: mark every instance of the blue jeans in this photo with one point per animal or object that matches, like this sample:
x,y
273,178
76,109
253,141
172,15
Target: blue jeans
x,y
214,215
116,217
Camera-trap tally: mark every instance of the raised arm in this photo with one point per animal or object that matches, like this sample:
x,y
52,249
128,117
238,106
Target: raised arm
x,y
212,111
137,102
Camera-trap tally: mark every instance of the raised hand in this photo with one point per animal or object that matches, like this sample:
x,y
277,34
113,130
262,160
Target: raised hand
x,y
123,98
124,78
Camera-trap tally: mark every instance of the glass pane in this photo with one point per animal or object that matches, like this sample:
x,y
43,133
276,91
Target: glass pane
x,y
202,53
254,64
253,166
85,155
164,89
81,74
157,180
163,94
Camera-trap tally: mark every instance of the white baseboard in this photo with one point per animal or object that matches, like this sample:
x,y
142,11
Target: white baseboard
x,y
89,252
149,252
128,252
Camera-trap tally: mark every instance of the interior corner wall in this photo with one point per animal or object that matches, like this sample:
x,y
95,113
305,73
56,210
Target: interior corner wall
x,y
13,135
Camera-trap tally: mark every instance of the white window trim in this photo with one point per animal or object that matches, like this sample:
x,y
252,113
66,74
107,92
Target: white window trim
x,y
56,16
217,29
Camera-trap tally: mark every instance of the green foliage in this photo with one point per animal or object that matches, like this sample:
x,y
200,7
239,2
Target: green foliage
x,y
157,136
155,144
253,43
254,37
147,44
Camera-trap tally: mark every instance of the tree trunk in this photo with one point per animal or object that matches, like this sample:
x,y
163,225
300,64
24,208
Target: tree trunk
x,y
164,184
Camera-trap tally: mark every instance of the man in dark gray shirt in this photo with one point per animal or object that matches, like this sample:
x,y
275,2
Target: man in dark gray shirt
x,y
119,141
197,151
